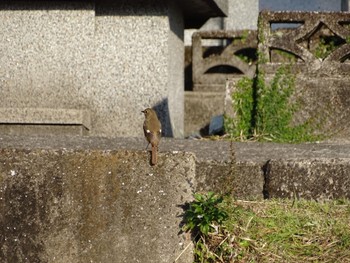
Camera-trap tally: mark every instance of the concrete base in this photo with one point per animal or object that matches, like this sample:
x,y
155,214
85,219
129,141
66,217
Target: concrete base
x,y
83,199
71,205
200,107
319,178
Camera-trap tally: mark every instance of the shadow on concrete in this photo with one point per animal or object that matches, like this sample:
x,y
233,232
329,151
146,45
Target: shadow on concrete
x,y
162,109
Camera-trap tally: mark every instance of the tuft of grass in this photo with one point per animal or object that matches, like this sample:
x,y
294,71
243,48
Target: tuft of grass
x,y
279,231
243,103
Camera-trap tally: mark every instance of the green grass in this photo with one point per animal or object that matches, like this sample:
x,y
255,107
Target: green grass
x,y
264,111
279,231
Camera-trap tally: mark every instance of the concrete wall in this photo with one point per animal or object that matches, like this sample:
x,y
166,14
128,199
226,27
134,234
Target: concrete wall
x,y
106,61
69,205
242,15
84,199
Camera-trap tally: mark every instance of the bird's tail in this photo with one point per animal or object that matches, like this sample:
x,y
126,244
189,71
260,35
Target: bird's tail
x,y
154,155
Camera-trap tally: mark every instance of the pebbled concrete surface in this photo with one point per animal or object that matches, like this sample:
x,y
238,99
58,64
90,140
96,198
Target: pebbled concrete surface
x,y
242,169
84,199
63,204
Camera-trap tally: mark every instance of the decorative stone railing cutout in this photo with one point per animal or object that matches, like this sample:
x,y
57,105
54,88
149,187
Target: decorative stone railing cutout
x,y
316,45
310,39
212,65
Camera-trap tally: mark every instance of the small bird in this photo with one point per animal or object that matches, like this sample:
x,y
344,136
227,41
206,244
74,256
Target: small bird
x,y
153,130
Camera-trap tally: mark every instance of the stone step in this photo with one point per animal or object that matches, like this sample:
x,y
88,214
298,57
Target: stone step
x,y
246,166
82,199
65,203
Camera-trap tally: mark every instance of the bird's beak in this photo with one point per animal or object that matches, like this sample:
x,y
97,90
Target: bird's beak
x,y
143,111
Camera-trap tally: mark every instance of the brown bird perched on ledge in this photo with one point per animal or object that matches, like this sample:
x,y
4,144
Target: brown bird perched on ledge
x,y
152,129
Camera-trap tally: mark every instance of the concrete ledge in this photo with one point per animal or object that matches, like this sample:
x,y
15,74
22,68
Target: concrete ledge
x,y
45,116
74,205
323,178
221,166
83,199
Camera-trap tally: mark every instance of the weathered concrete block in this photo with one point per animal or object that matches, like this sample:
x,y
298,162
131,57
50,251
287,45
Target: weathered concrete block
x,y
200,107
316,47
241,169
248,180
215,176
93,205
212,66
242,180
322,178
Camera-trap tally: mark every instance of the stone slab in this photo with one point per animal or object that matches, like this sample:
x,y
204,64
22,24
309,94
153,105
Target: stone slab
x,y
314,178
200,107
74,205
221,166
110,59
45,116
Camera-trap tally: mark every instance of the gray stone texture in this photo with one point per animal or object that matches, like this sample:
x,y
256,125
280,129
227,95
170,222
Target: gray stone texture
x,y
242,15
321,83
109,60
317,179
69,205
46,62
199,108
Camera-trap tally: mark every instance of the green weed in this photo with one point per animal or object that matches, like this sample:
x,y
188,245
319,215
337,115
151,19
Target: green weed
x,y
278,231
204,212
264,111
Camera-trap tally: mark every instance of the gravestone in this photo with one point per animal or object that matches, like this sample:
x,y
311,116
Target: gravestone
x,y
90,67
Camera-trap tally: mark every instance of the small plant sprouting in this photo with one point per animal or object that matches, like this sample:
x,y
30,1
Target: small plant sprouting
x,y
204,213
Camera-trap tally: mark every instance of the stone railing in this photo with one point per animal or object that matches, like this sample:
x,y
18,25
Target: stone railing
x,y
315,41
234,57
316,45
